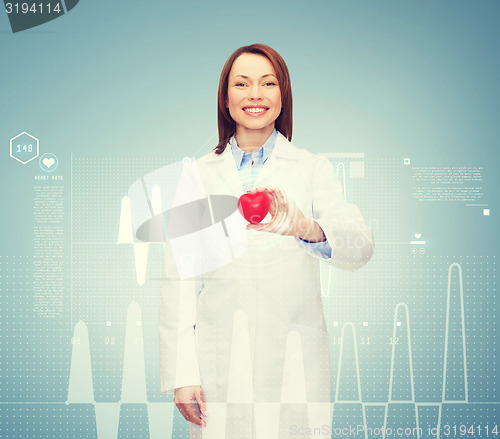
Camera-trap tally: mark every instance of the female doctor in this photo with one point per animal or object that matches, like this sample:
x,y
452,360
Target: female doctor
x,y
244,345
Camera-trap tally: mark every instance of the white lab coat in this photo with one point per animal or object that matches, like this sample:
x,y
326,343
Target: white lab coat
x,y
252,332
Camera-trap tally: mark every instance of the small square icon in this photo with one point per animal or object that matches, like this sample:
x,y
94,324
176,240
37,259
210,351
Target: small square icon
x,y
398,323
365,323
335,323
406,160
486,212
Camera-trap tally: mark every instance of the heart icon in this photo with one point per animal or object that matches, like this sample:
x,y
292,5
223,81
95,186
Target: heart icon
x,y
48,162
254,207
418,235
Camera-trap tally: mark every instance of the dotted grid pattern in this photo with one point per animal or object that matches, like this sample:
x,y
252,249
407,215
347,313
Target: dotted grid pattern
x,y
133,422
369,294
378,196
421,283
99,184
366,296
402,415
36,421
104,273
427,278
380,284
104,283
180,427
393,282
104,287
150,299
374,420
35,350
393,274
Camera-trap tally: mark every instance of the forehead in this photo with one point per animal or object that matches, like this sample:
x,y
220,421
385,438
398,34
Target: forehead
x,y
251,64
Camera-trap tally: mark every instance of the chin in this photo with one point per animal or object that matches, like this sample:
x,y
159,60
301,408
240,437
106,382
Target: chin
x,y
257,124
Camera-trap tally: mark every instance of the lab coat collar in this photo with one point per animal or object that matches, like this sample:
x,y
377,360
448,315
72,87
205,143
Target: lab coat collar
x,y
283,150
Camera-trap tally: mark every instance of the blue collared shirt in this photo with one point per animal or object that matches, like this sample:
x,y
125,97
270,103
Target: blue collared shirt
x,y
249,166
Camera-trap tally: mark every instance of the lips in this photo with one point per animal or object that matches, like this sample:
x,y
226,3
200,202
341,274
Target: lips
x,y
255,110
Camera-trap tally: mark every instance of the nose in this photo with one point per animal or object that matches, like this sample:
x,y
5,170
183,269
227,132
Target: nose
x,y
255,92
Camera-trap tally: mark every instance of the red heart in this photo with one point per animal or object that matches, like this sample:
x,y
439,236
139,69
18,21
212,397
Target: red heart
x,y
254,207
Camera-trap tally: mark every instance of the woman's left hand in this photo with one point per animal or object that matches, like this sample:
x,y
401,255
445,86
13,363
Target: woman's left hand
x,y
287,218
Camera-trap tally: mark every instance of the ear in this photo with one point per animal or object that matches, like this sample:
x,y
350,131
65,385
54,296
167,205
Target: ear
x,y
227,104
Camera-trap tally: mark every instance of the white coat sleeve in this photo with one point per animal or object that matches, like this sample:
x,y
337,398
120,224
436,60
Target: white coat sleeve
x,y
177,320
178,354
350,239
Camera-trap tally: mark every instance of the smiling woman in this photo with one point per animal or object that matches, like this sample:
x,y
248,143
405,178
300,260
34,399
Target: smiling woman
x,y
254,82
244,346
253,99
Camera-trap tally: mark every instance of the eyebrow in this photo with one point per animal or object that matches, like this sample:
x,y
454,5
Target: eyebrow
x,y
246,77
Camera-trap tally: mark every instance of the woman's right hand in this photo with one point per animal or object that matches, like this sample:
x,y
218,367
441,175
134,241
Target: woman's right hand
x,y
183,399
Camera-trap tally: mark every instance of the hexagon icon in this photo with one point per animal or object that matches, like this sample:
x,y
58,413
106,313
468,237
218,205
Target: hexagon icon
x,y
24,147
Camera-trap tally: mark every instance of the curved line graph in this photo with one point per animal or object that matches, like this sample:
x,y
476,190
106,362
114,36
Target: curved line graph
x,y
414,406
410,356
464,354
160,415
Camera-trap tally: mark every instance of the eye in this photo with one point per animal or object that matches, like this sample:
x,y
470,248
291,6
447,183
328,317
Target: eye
x,y
270,83
238,84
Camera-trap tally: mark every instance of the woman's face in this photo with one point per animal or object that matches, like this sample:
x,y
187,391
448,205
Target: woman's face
x,y
253,93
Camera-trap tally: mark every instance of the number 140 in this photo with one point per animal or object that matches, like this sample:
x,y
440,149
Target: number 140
x,y
25,148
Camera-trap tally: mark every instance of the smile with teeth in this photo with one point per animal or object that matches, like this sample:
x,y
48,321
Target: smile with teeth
x,y
255,110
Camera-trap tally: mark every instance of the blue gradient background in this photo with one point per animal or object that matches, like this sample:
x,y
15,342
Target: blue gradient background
x,y
390,78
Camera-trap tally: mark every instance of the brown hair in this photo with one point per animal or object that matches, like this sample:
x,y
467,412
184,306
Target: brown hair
x,y
225,122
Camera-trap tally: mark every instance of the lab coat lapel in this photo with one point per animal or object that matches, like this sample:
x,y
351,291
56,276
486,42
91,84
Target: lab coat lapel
x,y
282,151
227,170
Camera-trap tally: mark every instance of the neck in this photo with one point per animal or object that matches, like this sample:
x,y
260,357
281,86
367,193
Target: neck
x,y
250,140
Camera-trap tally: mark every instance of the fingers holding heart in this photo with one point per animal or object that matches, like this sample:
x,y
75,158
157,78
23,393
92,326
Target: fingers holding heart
x,y
268,191
279,209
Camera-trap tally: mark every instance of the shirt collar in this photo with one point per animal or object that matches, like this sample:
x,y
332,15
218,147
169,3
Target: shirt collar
x,y
265,150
